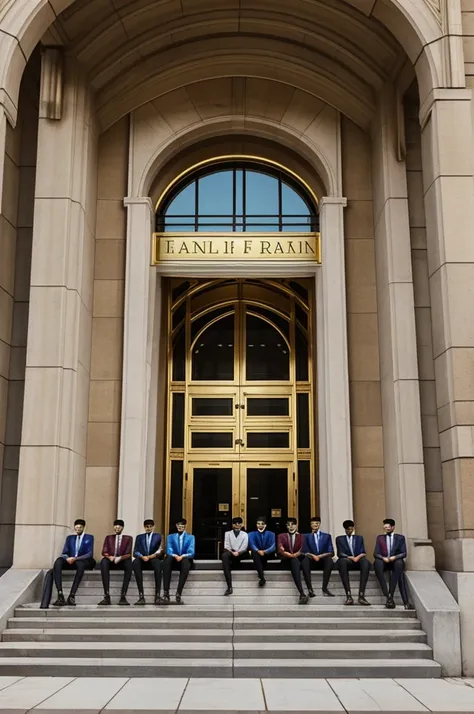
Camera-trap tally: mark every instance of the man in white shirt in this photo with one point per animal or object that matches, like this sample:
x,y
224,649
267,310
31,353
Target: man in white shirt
x,y
236,546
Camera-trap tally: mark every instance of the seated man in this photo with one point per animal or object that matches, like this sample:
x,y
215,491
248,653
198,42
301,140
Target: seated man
x,y
390,553
147,553
289,547
116,554
78,555
261,545
319,552
236,546
352,556
180,548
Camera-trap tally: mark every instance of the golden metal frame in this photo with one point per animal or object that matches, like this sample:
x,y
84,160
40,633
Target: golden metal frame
x,y
239,458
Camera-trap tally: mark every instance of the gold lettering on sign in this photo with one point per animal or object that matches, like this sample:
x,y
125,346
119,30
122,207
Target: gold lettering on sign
x,y
231,246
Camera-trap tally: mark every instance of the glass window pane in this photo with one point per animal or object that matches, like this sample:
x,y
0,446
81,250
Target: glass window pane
x,y
302,373
302,420
216,194
212,440
212,406
261,194
176,491
267,354
268,406
177,427
262,227
304,496
213,354
268,440
239,192
184,204
292,203
179,358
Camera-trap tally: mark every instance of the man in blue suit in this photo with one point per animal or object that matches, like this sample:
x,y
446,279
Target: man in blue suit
x,y
180,548
78,555
352,556
147,553
319,552
261,544
390,553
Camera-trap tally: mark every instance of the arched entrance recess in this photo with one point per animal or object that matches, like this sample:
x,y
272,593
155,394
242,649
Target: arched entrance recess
x,y
240,373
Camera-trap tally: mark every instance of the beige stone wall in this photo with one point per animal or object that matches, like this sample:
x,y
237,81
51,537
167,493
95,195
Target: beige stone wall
x,y
364,370
424,341
15,264
103,437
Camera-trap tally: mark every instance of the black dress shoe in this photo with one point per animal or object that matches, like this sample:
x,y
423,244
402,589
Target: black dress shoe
x,y
390,605
362,600
328,593
123,600
311,593
105,601
71,600
303,599
229,591
165,600
349,600
158,600
178,599
141,600
60,602
262,582
408,606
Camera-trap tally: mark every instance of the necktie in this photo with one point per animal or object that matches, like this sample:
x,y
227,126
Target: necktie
x,y
317,542
78,545
180,541
148,543
389,546
292,542
118,539
349,538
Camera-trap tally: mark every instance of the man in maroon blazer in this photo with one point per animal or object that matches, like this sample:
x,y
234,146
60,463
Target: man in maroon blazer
x,y
289,547
117,555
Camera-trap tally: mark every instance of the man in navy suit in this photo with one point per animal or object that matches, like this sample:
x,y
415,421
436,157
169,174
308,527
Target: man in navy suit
x,y
319,552
147,553
261,544
180,548
352,556
390,553
78,555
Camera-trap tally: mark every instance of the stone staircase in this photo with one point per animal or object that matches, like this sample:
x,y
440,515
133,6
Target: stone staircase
x,y
257,632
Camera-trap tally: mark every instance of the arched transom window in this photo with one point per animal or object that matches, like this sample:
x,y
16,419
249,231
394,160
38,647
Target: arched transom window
x,y
238,196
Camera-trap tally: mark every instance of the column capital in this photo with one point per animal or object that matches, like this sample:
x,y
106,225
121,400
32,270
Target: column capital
x,y
138,201
333,201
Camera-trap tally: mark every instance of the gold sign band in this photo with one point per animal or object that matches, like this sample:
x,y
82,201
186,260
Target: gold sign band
x,y
235,246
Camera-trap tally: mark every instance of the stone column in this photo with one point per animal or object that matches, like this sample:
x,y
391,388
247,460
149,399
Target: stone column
x,y
138,425
53,445
402,439
335,469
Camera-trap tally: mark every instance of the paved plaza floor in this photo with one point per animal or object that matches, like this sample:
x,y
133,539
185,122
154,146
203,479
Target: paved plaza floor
x,y
122,695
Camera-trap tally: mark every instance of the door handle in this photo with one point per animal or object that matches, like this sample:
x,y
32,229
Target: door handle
x,y
242,406
239,441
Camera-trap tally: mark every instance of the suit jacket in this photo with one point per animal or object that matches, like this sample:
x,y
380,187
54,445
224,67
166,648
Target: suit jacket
x,y
109,546
325,544
141,545
284,543
173,547
85,551
342,546
262,541
399,549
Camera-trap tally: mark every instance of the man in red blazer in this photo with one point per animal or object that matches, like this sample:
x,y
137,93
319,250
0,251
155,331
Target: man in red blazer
x,y
289,547
117,555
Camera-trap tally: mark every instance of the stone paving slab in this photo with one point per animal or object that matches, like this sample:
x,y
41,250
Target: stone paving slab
x,y
122,695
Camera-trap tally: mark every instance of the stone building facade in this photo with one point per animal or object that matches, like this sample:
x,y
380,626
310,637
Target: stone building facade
x,y
104,104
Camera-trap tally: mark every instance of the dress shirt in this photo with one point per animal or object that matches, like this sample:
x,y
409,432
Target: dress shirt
x,y
292,541
118,542
180,541
149,536
78,544
316,541
349,543
389,538
237,541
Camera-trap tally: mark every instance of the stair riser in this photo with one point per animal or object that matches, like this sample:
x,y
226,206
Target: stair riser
x,y
193,600
259,613
225,636
243,670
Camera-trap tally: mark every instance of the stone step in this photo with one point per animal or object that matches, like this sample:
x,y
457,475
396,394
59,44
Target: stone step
x,y
314,623
240,668
241,650
276,590
260,612
210,635
237,600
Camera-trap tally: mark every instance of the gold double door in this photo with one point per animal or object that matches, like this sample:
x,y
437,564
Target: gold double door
x,y
241,426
